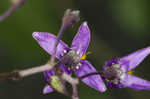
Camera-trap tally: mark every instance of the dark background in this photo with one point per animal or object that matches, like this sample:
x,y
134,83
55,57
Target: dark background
x,y
119,27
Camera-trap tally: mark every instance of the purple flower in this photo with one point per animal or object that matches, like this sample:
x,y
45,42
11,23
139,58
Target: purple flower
x,y
71,59
117,72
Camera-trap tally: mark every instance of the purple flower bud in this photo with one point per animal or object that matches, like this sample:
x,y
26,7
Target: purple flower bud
x,y
71,17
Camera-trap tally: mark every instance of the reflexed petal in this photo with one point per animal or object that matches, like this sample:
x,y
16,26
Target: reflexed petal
x,y
47,89
93,81
47,75
81,40
47,41
134,59
136,83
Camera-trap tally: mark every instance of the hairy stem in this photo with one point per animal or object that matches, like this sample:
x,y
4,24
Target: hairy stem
x,y
60,33
69,79
35,70
75,92
16,75
74,82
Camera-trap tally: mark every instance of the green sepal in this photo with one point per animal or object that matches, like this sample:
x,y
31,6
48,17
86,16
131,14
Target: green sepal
x,y
56,83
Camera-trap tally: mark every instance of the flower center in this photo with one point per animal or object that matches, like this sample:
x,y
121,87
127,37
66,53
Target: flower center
x,y
113,73
71,59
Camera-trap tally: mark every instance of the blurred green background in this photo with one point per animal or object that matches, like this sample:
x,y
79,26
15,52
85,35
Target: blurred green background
x,y
118,27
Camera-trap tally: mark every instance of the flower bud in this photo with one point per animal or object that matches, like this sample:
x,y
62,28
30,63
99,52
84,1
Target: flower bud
x,y
71,17
57,84
15,1
18,2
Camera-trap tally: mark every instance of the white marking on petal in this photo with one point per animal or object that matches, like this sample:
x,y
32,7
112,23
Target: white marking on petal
x,y
85,23
78,52
69,68
65,51
35,34
77,67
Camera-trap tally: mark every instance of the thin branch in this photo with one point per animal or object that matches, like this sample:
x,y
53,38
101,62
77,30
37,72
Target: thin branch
x,y
16,75
35,70
74,82
9,76
60,33
75,92
69,79
12,9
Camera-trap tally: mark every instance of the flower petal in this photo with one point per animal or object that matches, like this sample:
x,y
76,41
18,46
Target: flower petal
x,y
134,59
136,83
48,74
47,89
47,41
81,40
93,81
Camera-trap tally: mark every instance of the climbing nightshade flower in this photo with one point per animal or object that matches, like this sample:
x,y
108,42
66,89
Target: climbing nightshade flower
x,y
71,59
117,72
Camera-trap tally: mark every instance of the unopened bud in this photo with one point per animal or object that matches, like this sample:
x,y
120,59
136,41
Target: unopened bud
x,y
15,1
57,84
71,17
18,2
